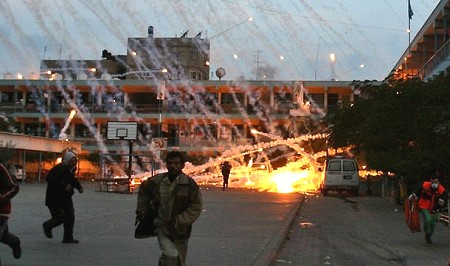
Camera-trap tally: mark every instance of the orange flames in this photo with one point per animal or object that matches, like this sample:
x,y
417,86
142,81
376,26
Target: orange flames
x,y
294,177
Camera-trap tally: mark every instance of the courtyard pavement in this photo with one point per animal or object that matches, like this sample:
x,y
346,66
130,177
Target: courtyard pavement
x,y
237,227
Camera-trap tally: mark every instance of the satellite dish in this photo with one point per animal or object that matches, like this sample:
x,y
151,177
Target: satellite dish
x,y
184,34
220,72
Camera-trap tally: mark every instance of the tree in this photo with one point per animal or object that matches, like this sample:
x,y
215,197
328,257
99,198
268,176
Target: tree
x,y
7,124
399,126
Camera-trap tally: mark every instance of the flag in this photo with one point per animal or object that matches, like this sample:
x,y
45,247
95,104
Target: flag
x,y
410,11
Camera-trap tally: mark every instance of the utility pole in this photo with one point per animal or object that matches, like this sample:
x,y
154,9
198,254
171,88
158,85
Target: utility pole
x,y
257,63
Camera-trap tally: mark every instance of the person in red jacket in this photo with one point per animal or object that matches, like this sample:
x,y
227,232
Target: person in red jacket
x,y
431,196
8,189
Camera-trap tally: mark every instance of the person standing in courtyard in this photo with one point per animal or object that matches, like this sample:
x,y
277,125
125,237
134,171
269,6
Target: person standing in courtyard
x,y
61,182
431,196
226,169
8,189
178,200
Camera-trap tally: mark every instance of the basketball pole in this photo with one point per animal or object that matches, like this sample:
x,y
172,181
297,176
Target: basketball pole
x,y
130,159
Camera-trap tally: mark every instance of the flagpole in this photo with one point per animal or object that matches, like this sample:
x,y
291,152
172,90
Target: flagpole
x,y
409,33
410,14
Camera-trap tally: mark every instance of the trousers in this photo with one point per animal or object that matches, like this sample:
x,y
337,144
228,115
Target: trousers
x,y
5,236
65,216
173,253
429,221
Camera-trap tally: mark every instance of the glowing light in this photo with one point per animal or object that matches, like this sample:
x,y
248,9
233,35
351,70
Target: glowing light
x,y
63,135
332,57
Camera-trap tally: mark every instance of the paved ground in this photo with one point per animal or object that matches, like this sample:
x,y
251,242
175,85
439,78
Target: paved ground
x,y
237,227
359,231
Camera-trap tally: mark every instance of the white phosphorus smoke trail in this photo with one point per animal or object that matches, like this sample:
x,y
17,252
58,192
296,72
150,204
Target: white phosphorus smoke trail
x,y
63,135
81,29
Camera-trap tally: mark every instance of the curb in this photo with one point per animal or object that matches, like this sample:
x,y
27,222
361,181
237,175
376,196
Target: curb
x,y
270,252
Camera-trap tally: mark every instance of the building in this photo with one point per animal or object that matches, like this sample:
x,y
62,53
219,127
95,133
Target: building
x,y
147,58
429,52
195,117
163,85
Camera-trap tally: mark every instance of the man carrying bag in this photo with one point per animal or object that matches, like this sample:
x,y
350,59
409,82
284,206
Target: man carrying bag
x,y
176,199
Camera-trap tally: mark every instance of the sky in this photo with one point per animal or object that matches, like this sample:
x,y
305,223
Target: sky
x,y
290,39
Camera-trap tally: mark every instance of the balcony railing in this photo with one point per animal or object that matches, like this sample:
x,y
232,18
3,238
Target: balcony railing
x,y
433,63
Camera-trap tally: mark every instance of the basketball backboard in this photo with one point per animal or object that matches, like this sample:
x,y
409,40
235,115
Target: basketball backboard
x,y
120,130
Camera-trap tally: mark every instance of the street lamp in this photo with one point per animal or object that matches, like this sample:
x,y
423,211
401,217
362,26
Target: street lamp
x,y
333,61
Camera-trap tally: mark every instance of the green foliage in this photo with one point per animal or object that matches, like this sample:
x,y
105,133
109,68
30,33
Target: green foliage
x,y
398,126
7,124
6,151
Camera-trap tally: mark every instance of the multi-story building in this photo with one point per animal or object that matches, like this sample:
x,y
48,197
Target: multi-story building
x,y
429,52
162,84
202,117
147,58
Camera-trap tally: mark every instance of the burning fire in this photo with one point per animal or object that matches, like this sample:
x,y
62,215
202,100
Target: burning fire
x,y
294,177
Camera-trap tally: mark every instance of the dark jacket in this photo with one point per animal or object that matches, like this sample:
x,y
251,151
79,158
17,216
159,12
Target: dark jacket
x,y
57,179
8,189
187,204
226,169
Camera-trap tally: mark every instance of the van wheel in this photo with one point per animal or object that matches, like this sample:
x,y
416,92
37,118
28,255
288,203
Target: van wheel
x,y
325,192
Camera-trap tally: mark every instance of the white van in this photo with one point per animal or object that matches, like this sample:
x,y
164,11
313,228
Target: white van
x,y
340,174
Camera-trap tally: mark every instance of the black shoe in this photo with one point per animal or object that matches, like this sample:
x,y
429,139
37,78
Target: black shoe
x,y
71,241
16,250
47,231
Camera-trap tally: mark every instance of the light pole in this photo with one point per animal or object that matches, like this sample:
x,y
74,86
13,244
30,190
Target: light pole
x,y
333,61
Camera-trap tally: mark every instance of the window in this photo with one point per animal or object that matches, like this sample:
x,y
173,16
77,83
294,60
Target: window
x,y
227,98
82,131
141,97
334,166
194,54
316,99
333,99
205,131
349,166
7,97
35,129
283,97
194,75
